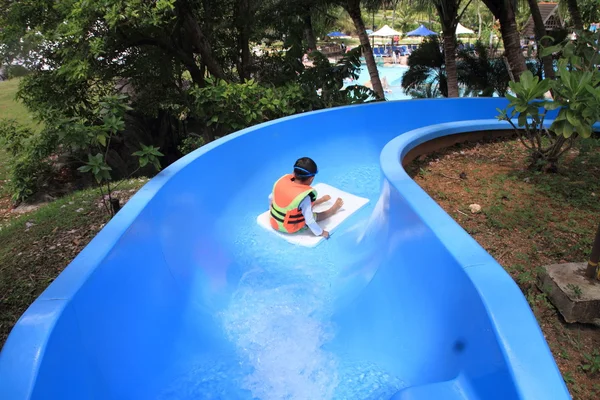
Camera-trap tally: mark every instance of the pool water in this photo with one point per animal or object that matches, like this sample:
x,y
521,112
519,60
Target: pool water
x,y
392,73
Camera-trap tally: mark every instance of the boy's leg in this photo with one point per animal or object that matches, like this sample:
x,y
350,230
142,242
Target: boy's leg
x,y
320,216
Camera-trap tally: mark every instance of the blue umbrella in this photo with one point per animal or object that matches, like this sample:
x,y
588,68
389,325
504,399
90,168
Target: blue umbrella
x,y
421,31
335,34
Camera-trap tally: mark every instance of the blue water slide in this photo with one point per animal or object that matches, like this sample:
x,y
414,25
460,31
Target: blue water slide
x,y
183,295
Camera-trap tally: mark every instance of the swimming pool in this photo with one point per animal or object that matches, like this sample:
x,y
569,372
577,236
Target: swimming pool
x,y
393,74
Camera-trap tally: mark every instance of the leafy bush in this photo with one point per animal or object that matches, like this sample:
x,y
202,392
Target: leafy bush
x,y
191,143
29,164
16,71
226,107
576,96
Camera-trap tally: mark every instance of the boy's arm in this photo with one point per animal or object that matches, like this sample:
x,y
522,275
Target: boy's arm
x,y
307,212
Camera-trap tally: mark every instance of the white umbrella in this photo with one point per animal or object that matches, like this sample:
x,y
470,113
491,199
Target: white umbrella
x,y
386,31
461,30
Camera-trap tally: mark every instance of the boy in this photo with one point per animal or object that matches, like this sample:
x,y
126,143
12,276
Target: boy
x,y
293,198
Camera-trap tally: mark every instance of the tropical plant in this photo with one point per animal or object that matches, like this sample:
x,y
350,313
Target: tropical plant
x,y
426,72
505,11
449,13
353,8
576,97
540,36
111,112
482,74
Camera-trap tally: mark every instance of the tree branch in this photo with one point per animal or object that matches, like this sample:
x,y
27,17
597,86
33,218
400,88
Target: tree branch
x,y
169,48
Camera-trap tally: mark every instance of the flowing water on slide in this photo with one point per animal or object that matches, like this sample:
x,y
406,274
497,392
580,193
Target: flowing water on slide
x,y
279,316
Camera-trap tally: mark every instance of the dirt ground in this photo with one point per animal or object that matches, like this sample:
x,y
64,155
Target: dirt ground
x,y
527,220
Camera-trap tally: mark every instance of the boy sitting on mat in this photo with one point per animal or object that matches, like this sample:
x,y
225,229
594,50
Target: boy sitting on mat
x,y
293,198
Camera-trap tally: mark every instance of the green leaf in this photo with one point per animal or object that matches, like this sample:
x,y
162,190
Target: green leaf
x,y
584,130
571,117
101,139
546,51
552,105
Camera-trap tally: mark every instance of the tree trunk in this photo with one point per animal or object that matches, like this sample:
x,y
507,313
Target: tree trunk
x,y
309,33
450,61
540,32
575,15
395,3
480,20
198,39
243,20
510,37
593,270
352,7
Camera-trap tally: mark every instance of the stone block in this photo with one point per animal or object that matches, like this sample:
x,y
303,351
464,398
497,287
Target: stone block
x,y
575,296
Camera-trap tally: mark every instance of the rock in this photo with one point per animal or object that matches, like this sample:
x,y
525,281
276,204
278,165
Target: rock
x,y
26,208
575,296
526,180
475,208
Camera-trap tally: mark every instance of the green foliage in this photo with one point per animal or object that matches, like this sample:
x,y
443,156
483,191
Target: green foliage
x,y
13,136
149,155
426,72
576,96
29,163
191,143
481,73
226,107
112,111
328,81
98,167
592,362
16,71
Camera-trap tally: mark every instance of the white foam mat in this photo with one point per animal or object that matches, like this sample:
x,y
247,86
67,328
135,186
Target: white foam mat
x,y
306,238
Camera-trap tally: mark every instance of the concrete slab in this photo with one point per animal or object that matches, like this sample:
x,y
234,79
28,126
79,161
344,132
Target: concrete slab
x,y
572,293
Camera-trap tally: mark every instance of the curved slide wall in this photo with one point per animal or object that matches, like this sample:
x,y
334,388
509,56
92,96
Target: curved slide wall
x,y
183,296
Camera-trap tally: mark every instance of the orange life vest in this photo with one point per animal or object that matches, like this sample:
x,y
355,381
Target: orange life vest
x,y
287,196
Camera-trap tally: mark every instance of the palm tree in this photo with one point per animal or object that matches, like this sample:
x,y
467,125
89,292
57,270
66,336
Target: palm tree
x,y
575,14
481,74
426,70
449,12
540,33
352,7
505,12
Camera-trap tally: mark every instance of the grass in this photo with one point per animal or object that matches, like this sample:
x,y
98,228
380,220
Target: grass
x,y
36,247
529,219
10,107
3,168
